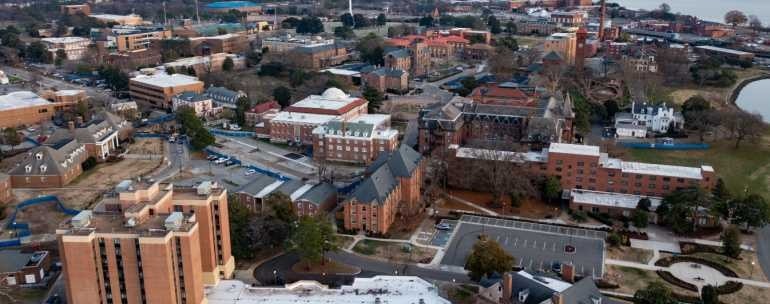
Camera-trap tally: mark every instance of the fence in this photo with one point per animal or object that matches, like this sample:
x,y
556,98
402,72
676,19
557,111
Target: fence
x,y
642,145
150,135
161,119
22,229
232,133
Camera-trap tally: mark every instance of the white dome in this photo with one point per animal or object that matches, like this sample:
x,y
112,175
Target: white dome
x,y
334,93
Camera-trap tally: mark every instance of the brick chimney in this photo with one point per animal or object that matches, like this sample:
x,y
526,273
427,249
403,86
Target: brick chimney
x,y
507,287
71,126
557,298
568,272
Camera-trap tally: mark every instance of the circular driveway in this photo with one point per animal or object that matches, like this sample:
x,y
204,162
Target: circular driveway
x,y
697,274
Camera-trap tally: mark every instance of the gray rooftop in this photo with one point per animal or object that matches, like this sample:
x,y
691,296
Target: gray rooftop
x,y
384,173
13,260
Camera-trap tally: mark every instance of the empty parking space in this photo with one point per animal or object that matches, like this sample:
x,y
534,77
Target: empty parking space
x,y
441,237
535,246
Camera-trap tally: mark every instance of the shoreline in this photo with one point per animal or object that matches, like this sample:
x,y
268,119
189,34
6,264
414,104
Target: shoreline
x,y
736,91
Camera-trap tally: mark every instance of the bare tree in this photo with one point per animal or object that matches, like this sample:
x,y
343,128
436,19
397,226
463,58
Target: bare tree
x,y
503,64
742,126
673,65
552,77
702,122
735,18
755,23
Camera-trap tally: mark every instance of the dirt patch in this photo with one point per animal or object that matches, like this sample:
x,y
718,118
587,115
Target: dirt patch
x,y
147,146
406,226
394,252
41,218
630,254
76,198
529,208
747,267
632,279
747,294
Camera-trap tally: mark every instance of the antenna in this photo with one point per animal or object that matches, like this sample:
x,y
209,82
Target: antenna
x,y
197,14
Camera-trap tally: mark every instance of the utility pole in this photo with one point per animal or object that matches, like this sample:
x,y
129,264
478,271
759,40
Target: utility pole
x,y
165,20
350,11
197,13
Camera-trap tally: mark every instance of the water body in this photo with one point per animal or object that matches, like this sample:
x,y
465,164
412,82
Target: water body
x,y
755,98
712,10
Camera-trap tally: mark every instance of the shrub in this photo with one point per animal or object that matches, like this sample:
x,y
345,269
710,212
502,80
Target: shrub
x,y
729,287
89,164
614,239
668,277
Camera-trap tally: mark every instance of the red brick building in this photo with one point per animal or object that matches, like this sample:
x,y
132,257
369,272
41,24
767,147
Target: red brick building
x,y
19,268
308,199
359,140
391,187
388,80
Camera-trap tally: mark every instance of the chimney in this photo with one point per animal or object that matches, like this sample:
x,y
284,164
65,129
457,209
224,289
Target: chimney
x,y
79,120
507,287
568,272
557,298
71,126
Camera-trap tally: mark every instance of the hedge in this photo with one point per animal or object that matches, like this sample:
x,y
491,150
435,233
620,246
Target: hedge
x,y
670,278
665,262
729,287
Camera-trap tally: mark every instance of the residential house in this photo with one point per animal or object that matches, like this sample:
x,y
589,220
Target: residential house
x,y
658,118
49,166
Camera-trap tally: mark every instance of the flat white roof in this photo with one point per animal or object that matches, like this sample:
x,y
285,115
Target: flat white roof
x,y
574,149
609,199
487,154
342,72
69,92
164,80
64,39
21,99
550,283
308,118
331,99
299,192
723,50
267,190
113,16
662,170
388,289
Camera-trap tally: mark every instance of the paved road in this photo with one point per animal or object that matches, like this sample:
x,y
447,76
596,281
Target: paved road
x,y
57,83
763,249
177,156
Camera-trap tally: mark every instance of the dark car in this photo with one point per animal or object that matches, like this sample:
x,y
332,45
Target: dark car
x,y
556,267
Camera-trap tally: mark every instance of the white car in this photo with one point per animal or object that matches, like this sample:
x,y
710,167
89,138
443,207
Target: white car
x,y
221,160
250,172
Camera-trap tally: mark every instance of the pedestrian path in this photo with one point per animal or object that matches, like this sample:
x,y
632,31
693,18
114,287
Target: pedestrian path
x,y
677,271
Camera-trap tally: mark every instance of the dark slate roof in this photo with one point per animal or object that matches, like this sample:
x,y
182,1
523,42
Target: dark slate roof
x,y
383,173
13,260
50,156
289,187
319,193
311,49
399,53
389,72
355,128
552,56
538,292
493,279
583,292
256,185
191,96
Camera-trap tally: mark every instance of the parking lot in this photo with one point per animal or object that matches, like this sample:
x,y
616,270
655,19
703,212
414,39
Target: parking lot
x,y
535,246
441,237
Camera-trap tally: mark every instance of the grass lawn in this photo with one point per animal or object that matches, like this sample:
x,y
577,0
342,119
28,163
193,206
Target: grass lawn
x,y
747,294
393,251
629,254
747,166
633,279
742,267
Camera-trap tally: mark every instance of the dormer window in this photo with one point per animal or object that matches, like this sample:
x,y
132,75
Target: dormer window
x,y
28,168
39,155
43,168
523,295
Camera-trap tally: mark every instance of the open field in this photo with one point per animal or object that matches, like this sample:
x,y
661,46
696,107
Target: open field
x,y
529,208
147,146
718,96
747,294
747,167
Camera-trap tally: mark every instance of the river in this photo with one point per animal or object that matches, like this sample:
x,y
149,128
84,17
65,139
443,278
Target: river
x,y
755,98
712,10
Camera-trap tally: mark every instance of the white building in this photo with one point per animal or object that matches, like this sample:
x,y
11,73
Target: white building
x,y
379,289
200,103
657,118
3,78
74,47
627,126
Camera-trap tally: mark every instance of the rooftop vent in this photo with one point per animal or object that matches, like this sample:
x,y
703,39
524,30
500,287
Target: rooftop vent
x,y
174,221
82,219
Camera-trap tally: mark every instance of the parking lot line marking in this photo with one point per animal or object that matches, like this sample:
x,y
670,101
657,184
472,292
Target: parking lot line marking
x,y
525,243
544,244
497,239
541,265
582,268
530,264
515,242
506,241
534,243
554,247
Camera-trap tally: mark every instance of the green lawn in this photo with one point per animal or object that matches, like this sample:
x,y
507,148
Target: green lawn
x,y
747,166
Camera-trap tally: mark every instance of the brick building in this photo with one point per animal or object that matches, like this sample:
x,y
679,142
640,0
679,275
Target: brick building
x,y
285,43
503,114
388,80
101,136
206,64
316,57
260,112
200,103
74,9
153,243
20,268
357,140
296,123
158,89
564,44
535,27
391,187
26,108
398,59
571,18
308,199
478,52
131,60
224,97
6,195
137,38
47,166
227,43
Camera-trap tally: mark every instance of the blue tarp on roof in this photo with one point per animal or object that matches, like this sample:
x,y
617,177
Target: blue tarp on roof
x,y
230,4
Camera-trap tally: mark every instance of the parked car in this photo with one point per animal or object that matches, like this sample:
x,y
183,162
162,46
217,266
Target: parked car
x,y
221,160
556,267
250,172
229,163
443,226
211,157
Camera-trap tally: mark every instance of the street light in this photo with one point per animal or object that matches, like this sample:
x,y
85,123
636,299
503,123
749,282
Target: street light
x,y
275,276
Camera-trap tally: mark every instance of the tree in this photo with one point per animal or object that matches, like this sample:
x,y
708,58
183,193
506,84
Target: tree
x,y
743,125
347,20
36,51
503,64
696,103
735,18
228,64
640,218
469,84
371,48
731,242
191,125
665,8
510,27
116,79
344,32
238,216
11,136
273,68
310,25
382,19
282,95
311,239
655,293
191,71
644,204
82,109
709,295
242,105
680,209
508,42
487,257
374,97
170,70
61,55
494,25
551,188
426,21
280,206
752,211
290,23
755,23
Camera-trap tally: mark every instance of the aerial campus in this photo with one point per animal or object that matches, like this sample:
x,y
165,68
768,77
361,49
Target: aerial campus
x,y
389,151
